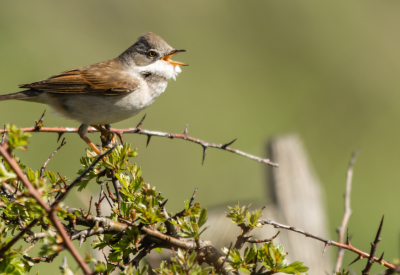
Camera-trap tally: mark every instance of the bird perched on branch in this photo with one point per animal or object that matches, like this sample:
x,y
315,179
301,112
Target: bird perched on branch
x,y
109,91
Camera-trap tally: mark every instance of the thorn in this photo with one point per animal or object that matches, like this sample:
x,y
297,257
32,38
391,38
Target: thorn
x,y
356,260
204,154
59,136
163,203
378,234
348,238
326,245
39,123
227,144
186,129
381,258
148,140
140,123
63,142
81,240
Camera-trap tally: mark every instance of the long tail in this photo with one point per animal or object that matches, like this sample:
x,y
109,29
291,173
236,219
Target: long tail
x,y
21,95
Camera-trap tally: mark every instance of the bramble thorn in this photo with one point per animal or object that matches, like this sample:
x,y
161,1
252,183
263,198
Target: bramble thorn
x,y
204,154
140,123
148,140
227,144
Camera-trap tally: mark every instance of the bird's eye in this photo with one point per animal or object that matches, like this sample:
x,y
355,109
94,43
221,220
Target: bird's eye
x,y
152,53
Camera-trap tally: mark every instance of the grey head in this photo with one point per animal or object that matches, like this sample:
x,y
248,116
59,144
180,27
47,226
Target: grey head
x,y
148,49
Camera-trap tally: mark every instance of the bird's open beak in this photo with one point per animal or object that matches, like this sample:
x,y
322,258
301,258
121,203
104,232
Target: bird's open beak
x,y
172,62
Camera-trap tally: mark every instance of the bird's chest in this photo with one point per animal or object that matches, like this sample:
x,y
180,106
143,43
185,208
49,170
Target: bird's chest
x,y
148,92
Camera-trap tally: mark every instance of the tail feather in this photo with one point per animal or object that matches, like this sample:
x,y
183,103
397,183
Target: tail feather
x,y
21,95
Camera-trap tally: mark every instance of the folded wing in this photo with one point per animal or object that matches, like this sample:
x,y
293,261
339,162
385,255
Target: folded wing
x,y
106,78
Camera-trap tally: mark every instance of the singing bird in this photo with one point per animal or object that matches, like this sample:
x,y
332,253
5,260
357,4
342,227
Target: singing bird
x,y
109,91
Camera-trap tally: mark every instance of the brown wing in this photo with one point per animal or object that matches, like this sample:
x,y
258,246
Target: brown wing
x,y
106,78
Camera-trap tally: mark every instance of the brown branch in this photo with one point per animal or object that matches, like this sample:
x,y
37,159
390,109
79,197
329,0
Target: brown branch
x,y
51,211
90,206
243,237
206,251
4,249
328,242
46,258
347,209
265,240
47,161
374,245
30,247
139,131
110,193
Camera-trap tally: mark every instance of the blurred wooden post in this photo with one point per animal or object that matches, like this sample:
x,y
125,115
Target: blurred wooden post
x,y
296,194
294,198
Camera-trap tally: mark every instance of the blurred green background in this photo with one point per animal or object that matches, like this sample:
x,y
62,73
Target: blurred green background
x,y
327,71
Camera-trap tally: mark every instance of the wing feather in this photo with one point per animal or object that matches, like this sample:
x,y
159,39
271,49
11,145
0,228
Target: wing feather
x,y
102,78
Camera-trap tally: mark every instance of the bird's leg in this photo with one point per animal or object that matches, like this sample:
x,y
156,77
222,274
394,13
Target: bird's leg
x,y
107,137
114,136
82,131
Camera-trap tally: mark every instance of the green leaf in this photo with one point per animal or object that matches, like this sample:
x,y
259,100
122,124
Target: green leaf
x,y
203,217
245,270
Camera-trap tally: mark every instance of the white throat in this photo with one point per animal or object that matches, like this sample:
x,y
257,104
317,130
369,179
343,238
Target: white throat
x,y
161,68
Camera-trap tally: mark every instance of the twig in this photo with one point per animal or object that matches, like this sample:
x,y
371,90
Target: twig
x,y
374,245
327,242
51,211
139,131
117,187
180,214
90,206
146,250
47,161
225,259
347,209
30,247
4,249
110,193
265,240
105,195
46,258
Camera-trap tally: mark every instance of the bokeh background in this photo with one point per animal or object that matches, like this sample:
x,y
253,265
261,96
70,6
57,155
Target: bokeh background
x,y
327,71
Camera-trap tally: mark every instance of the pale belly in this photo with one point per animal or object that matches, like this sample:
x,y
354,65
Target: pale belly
x,y
101,109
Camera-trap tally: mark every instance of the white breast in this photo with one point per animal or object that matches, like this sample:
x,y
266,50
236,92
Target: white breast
x,y
160,68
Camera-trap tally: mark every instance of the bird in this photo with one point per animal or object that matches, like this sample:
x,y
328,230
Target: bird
x,y
109,91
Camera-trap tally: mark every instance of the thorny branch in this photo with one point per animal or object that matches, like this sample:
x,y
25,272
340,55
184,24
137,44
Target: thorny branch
x,y
374,245
138,130
327,242
265,240
347,209
50,210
